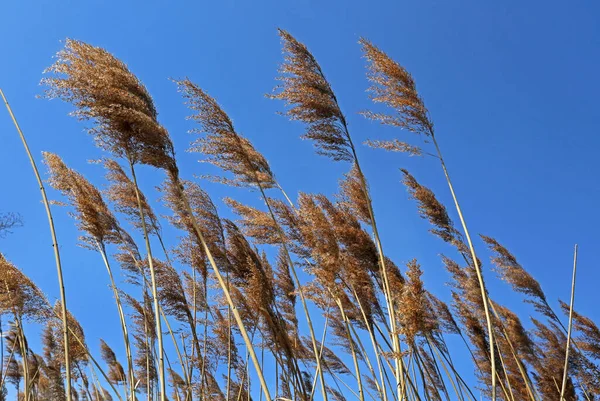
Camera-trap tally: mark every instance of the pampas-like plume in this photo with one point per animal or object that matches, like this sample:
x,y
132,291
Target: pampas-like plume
x,y
395,146
393,86
102,88
122,193
92,214
521,281
116,373
99,224
19,295
353,196
256,224
310,97
549,373
77,347
222,145
589,334
414,307
434,211
52,363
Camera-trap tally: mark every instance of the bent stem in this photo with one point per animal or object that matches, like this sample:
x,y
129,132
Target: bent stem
x,y
61,285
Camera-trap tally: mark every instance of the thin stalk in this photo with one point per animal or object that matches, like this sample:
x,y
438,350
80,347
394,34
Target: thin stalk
x,y
226,292
458,391
63,297
161,362
228,388
564,379
361,396
177,350
512,396
366,359
5,371
448,359
300,291
424,370
205,340
24,356
325,326
522,371
476,265
131,379
147,341
373,342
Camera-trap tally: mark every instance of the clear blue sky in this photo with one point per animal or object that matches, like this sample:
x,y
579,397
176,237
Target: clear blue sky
x,y
511,86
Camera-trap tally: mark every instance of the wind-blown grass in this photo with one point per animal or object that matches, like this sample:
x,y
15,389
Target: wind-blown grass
x,y
235,301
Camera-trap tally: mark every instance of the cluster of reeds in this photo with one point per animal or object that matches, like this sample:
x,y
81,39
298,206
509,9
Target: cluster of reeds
x,y
294,300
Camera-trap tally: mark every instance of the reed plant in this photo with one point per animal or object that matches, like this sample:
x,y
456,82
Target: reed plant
x,y
296,299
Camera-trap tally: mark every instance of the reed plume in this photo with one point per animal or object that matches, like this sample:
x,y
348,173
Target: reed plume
x,y
224,281
221,145
19,296
311,100
99,225
392,85
226,149
102,89
116,373
513,273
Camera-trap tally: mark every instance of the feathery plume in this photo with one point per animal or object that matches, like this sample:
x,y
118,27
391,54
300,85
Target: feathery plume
x,y
222,145
352,195
91,212
521,281
414,307
255,223
395,146
116,373
102,88
305,89
393,86
431,209
19,295
77,348
122,194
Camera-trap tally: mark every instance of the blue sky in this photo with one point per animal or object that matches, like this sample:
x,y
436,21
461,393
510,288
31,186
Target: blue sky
x,y
511,86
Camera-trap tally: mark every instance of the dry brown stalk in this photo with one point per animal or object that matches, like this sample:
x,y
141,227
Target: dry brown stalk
x,y
57,259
